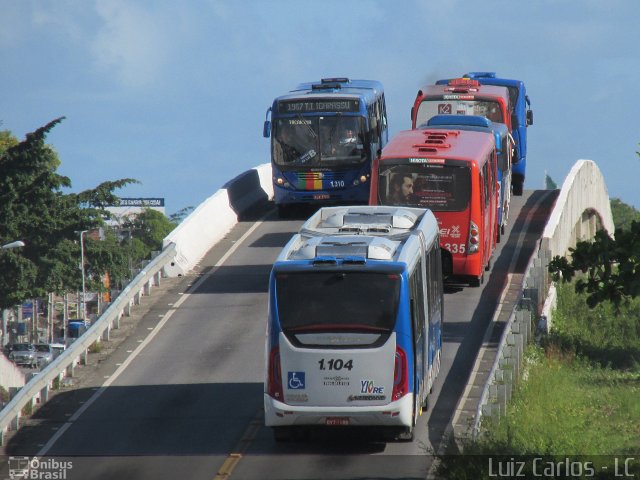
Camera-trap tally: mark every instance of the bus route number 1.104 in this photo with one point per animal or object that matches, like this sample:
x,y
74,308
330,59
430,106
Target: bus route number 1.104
x,y
335,364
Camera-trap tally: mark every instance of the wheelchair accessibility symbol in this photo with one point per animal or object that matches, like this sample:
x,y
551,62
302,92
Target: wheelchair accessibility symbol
x,y
295,380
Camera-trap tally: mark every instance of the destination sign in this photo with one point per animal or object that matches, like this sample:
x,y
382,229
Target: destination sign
x,y
141,202
319,105
458,97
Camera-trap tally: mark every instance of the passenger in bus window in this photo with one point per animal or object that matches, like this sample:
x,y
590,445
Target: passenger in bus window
x,y
401,189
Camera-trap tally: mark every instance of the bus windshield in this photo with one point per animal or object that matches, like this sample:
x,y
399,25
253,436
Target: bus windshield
x,y
484,108
337,301
319,141
441,188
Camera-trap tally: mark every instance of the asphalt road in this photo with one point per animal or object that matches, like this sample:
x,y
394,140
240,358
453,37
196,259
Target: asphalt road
x,y
181,397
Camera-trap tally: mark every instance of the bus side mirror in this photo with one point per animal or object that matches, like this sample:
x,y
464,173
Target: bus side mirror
x,y
529,117
412,110
266,130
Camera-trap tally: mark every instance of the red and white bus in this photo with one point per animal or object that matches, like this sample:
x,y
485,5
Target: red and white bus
x,y
453,173
462,96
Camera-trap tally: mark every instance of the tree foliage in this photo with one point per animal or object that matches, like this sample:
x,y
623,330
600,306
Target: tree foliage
x,y
611,267
34,209
148,230
623,214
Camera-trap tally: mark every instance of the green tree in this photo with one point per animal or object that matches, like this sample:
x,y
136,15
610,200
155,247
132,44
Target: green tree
x,y
33,208
611,267
549,184
180,215
623,214
147,231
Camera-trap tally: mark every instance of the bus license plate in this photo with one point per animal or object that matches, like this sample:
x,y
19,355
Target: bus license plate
x,y
321,196
337,421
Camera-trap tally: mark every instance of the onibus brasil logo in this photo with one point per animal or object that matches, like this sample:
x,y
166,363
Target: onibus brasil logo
x,y
38,468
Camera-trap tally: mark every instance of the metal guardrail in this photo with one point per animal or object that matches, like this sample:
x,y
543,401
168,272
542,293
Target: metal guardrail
x,y
37,389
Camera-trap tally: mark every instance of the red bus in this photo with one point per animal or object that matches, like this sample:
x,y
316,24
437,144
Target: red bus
x,y
453,173
462,96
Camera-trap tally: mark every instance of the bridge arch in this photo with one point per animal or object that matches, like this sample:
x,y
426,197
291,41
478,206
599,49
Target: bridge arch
x,y
582,208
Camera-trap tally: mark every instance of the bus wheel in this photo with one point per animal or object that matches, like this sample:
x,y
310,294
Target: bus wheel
x,y
476,281
281,434
517,189
284,211
406,435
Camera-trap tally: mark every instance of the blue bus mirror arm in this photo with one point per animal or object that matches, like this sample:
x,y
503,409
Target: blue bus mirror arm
x,y
266,129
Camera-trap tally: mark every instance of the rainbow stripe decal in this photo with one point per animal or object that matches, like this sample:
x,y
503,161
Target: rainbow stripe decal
x,y
310,181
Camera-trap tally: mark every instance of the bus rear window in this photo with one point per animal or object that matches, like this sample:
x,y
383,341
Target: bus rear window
x,y
483,108
340,302
441,188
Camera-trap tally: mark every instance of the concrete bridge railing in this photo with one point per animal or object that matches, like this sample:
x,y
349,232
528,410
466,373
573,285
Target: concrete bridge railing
x,y
182,249
582,208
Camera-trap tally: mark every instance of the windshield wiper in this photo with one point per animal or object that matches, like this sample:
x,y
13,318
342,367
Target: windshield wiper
x,y
304,122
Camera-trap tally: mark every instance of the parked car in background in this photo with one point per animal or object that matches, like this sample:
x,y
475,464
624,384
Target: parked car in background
x,y
58,348
23,354
44,354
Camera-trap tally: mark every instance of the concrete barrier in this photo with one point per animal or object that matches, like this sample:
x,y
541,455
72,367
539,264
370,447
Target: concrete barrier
x,y
182,249
216,216
582,207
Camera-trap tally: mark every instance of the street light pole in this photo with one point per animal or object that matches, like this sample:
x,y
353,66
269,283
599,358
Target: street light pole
x,y
84,303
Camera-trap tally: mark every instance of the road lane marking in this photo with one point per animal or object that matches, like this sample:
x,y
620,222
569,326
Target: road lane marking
x,y
143,343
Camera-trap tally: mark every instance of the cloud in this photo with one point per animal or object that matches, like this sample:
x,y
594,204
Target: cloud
x,y
134,43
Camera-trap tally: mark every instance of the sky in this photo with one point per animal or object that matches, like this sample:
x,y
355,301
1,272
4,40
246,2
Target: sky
x,y
174,94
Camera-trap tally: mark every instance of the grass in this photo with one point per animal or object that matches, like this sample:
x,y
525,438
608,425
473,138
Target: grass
x,y
580,395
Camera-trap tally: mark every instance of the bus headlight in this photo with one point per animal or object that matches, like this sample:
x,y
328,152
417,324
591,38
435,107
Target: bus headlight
x,y
280,181
362,179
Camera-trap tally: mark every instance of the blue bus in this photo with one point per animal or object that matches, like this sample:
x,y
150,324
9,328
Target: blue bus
x,y
522,117
324,136
355,320
504,148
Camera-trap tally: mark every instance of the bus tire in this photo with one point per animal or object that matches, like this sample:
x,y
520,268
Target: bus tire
x,y
284,211
476,281
517,189
281,434
406,435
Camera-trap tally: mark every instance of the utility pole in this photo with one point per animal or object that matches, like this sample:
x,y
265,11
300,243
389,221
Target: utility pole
x,y
84,303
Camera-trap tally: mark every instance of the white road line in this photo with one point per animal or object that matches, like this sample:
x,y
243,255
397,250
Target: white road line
x,y
43,451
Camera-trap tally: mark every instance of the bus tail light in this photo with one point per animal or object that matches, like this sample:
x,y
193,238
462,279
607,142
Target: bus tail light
x,y
400,375
274,381
474,238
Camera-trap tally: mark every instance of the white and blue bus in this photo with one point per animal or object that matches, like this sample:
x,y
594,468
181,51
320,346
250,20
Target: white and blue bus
x,y
324,137
355,321
505,148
